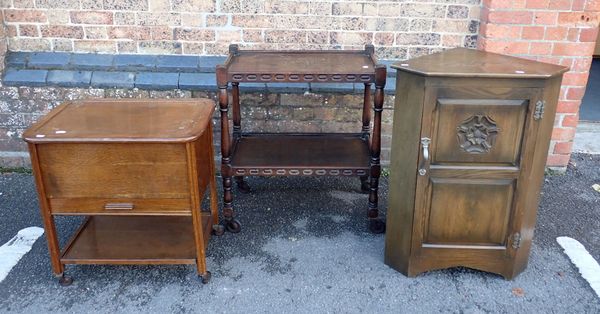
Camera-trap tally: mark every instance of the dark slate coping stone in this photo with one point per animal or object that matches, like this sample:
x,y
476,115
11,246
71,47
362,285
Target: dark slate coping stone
x,y
208,64
14,77
91,61
69,78
48,60
17,59
178,63
198,81
135,62
106,79
157,80
286,87
332,87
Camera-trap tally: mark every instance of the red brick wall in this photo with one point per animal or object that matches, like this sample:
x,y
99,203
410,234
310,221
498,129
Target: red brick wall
x,y
555,31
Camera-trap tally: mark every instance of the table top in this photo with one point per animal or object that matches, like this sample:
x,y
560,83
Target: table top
x,y
124,120
302,66
463,62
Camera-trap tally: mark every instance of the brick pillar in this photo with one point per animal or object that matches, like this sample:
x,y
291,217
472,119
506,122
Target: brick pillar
x,y
554,31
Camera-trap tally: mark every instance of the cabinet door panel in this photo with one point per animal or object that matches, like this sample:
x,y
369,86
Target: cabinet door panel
x,y
469,212
478,131
468,190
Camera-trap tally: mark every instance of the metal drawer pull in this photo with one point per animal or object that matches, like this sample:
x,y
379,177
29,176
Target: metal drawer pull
x,y
118,206
425,144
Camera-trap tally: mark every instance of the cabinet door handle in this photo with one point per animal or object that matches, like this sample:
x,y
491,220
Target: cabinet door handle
x,y
118,206
425,146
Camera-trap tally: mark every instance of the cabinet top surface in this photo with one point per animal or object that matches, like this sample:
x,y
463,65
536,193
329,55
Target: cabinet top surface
x,y
124,121
463,62
302,62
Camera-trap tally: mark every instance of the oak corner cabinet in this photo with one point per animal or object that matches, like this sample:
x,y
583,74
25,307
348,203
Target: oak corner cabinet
x,y
470,140
137,169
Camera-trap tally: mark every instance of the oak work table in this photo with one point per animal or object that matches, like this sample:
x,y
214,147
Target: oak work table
x,y
301,154
138,170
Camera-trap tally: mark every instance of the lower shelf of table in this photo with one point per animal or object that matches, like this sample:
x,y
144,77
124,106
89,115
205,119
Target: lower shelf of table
x,y
135,240
300,154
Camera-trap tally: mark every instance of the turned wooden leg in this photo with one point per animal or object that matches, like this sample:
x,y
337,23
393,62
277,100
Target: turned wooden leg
x,y
231,224
375,224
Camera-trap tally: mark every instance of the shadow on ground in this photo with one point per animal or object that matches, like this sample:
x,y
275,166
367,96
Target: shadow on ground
x,y
304,247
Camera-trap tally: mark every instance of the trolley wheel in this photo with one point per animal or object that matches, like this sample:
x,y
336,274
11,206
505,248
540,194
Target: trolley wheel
x,y
365,187
206,277
243,186
218,230
65,281
233,226
376,226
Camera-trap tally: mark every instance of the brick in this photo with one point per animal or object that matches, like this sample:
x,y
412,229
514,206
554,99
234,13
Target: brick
x,y
95,32
559,4
540,48
508,47
159,5
216,20
57,4
193,5
570,120
27,30
510,17
177,63
426,39
575,93
537,4
545,18
129,5
58,17
69,78
573,49
29,44
124,18
194,34
103,79
91,17
33,16
104,46
91,61
501,31
284,36
563,134
198,81
557,160
46,60
533,32
579,19
129,32
556,33
592,5
192,20
126,47
563,147
574,79
25,77
565,106
157,80
383,39
588,34
347,8
458,12
286,7
159,47
61,31
158,19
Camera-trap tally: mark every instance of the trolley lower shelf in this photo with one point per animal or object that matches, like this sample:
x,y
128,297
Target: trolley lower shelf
x,y
300,154
135,240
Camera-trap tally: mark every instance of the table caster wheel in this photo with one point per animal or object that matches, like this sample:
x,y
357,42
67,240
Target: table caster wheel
x,y
218,230
233,226
243,187
206,277
376,226
65,281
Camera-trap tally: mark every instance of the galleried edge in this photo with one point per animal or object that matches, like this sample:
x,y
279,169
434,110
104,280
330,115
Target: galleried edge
x,y
477,134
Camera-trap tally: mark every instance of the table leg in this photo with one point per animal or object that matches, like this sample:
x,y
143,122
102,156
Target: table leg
x,y
375,224
366,129
231,224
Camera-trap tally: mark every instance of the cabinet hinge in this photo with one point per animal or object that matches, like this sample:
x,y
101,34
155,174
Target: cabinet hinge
x,y
516,240
539,110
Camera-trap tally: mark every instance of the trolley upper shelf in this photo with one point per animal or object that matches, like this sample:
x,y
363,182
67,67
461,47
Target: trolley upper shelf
x,y
305,66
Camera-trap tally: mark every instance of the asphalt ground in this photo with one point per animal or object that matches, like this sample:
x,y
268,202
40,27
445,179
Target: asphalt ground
x,y
304,247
